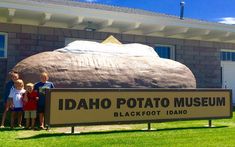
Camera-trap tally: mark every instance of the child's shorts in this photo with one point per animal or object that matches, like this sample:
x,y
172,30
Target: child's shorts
x,y
41,109
17,109
30,114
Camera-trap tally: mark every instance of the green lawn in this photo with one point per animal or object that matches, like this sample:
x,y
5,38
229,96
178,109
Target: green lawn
x,y
180,133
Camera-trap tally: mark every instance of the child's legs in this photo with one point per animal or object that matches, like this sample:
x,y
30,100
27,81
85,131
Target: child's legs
x,y
27,122
41,110
33,117
41,119
19,118
19,114
27,117
6,109
12,118
32,123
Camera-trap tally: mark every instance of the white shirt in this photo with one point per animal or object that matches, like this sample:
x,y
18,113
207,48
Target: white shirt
x,y
17,96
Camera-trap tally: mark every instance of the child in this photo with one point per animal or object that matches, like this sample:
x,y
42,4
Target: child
x,y
14,76
15,96
41,87
30,105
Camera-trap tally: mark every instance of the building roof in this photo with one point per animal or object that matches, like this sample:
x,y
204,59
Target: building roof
x,y
89,5
74,3
80,15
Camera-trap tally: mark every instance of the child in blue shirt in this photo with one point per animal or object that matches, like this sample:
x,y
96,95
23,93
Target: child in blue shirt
x,y
40,88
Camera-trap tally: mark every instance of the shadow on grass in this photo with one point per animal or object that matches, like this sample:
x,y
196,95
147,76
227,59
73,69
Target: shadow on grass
x,y
8,129
46,135
191,128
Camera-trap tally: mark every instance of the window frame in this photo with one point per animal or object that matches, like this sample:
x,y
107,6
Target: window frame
x,y
5,44
172,49
230,55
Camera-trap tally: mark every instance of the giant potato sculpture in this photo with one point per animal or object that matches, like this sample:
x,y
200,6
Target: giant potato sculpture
x,y
85,64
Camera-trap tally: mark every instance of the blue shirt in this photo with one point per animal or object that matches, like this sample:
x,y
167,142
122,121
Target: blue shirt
x,y
8,87
41,89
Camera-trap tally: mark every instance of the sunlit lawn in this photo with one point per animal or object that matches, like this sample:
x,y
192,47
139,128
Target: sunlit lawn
x,y
179,133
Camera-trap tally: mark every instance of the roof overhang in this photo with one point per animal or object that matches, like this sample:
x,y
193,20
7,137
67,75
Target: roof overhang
x,y
33,12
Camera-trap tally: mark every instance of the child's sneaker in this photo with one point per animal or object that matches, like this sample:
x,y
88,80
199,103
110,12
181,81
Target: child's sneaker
x,y
20,126
41,128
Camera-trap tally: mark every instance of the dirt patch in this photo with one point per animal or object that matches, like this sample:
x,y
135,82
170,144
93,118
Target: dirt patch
x,y
27,133
93,128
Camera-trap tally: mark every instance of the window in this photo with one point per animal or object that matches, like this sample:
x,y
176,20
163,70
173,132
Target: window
x,y
165,51
3,45
226,55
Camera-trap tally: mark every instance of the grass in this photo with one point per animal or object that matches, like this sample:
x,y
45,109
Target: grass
x,y
179,133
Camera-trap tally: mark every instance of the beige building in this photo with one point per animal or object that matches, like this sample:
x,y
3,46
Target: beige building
x,y
28,27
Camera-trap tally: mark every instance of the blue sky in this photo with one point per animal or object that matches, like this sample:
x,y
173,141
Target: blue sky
x,y
210,10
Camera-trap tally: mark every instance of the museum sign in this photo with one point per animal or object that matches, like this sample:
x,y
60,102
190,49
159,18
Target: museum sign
x,y
66,107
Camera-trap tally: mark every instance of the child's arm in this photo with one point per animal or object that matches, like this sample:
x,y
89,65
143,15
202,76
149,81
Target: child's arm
x,y
36,88
25,97
10,97
11,102
52,85
36,95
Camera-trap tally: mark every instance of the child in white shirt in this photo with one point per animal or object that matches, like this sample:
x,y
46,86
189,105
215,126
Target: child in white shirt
x,y
16,96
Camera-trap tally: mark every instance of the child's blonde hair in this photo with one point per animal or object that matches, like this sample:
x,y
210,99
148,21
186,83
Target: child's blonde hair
x,y
30,85
44,74
21,82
